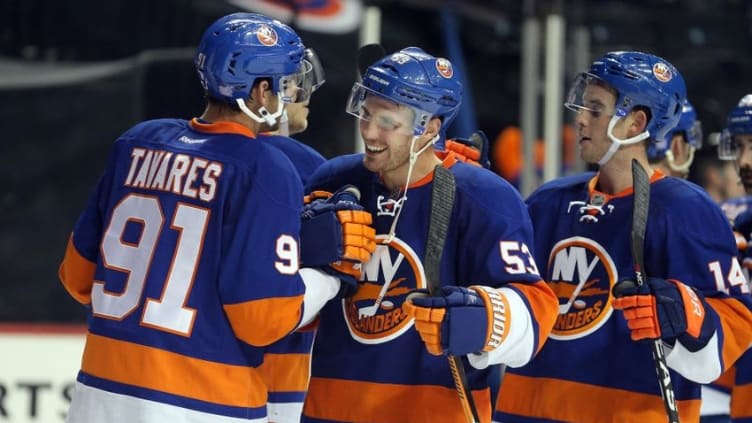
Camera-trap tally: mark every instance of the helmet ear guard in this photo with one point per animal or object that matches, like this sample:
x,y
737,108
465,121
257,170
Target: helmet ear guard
x,y
690,128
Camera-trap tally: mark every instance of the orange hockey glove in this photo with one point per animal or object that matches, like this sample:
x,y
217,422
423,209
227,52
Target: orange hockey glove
x,y
461,320
665,309
336,235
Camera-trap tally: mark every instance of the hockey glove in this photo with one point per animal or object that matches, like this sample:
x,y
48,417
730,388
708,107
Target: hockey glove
x,y
473,150
665,309
336,235
461,320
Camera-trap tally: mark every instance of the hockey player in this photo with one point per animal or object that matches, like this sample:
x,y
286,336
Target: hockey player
x,y
369,363
597,365
673,156
287,363
188,252
736,145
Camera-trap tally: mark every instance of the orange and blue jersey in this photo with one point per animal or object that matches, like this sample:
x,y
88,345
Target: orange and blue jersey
x,y
590,370
369,363
738,383
287,362
187,255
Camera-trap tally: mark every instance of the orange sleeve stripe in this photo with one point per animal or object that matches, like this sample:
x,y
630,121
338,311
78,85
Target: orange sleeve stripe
x,y
389,402
286,372
741,405
736,319
165,371
77,274
262,322
693,309
561,400
544,306
726,380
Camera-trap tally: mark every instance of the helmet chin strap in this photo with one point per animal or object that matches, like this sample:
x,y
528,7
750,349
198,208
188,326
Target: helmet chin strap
x,y
616,143
413,158
266,117
680,168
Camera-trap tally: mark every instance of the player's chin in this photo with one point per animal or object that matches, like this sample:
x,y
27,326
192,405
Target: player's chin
x,y
373,163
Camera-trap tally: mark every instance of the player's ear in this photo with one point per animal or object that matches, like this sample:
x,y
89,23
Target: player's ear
x,y
432,128
259,92
639,120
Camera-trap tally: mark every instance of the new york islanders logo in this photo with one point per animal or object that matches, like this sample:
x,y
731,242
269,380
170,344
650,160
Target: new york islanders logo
x,y
581,273
662,72
266,35
444,67
374,314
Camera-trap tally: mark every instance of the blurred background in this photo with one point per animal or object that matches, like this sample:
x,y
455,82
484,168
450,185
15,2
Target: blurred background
x,y
75,74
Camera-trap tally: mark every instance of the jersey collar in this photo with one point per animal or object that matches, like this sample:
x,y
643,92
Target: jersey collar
x,y
221,127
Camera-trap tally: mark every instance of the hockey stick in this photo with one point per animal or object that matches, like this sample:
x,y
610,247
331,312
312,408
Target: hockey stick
x,y
641,185
368,55
442,202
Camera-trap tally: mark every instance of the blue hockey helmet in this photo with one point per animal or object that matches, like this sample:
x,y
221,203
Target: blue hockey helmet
x,y
640,79
413,78
738,122
239,48
688,125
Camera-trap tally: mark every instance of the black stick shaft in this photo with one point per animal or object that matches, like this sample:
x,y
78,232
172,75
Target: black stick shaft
x,y
442,202
641,185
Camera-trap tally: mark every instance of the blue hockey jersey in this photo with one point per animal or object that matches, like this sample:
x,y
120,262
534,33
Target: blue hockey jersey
x,y
287,362
738,380
590,370
369,363
187,254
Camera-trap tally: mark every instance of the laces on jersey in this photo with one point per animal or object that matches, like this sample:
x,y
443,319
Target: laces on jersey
x,y
589,212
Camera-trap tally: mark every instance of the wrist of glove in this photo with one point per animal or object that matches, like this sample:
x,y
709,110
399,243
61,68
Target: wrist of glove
x,y
664,309
337,236
348,274
460,320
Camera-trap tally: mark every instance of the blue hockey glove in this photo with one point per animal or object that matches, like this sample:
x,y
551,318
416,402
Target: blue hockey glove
x,y
461,320
336,235
665,309
473,149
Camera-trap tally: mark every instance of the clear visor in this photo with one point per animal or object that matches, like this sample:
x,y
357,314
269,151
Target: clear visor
x,y
728,148
694,135
297,87
317,70
388,116
590,94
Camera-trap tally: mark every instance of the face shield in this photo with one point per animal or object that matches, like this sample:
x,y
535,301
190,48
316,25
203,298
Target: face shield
x,y
317,70
389,116
728,147
694,135
298,87
590,94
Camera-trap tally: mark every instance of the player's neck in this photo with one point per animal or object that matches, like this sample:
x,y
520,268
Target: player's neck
x,y
616,175
215,114
426,162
